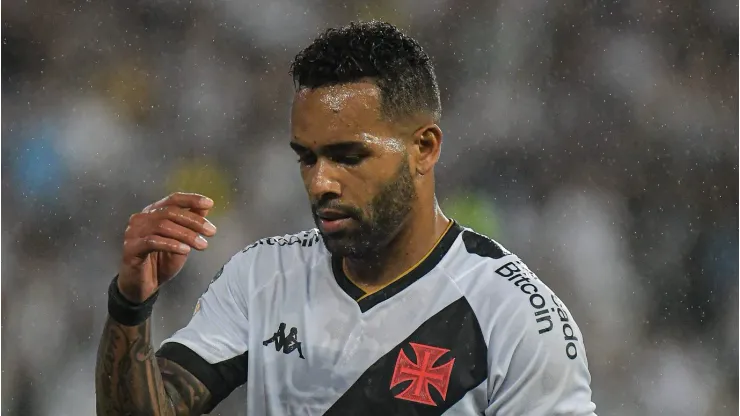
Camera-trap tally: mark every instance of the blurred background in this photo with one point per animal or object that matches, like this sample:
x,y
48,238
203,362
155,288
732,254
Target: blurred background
x,y
598,139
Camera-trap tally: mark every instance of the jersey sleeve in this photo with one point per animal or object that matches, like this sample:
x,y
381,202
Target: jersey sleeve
x,y
214,345
542,365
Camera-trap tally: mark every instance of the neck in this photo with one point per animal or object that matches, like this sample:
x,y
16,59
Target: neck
x,y
414,240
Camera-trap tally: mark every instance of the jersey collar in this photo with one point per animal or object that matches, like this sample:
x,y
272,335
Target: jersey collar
x,y
367,301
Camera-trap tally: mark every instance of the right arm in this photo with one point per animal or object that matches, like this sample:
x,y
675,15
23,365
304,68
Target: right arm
x,y
130,380
194,370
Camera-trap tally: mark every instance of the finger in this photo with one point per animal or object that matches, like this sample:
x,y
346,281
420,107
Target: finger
x,y
169,229
141,247
182,200
187,219
201,212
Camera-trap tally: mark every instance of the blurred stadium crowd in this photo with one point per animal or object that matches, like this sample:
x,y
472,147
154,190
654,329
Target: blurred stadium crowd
x,y
596,138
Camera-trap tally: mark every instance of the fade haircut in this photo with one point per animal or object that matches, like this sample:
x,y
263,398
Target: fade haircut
x,y
377,51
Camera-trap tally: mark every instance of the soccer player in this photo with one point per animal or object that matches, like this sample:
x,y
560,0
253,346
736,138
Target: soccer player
x,y
388,307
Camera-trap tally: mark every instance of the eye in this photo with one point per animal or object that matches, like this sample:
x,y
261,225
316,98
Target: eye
x,y
307,159
350,160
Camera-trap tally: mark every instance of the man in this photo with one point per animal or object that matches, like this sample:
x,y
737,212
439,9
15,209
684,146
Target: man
x,y
393,307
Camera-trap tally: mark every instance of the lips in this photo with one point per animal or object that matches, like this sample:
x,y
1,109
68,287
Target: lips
x,y
332,221
332,215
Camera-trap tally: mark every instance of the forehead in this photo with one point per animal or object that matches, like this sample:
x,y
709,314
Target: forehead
x,y
337,113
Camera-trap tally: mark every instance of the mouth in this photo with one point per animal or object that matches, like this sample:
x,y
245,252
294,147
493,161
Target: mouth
x,y
332,221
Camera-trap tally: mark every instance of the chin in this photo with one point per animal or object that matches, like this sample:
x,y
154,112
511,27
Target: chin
x,y
338,246
343,246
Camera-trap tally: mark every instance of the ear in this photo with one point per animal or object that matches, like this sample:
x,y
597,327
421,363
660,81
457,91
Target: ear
x,y
428,145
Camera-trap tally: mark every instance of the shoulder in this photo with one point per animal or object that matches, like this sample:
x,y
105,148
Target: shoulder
x,y
302,239
534,344
483,267
277,255
508,297
301,247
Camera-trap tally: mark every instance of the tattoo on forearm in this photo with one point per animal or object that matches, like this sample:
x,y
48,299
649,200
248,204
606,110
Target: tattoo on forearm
x,y
130,380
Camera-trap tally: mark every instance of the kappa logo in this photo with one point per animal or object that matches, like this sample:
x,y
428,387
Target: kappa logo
x,y
422,374
287,343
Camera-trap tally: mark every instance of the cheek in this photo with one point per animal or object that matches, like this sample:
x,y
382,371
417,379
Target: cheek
x,y
358,190
305,176
368,185
358,187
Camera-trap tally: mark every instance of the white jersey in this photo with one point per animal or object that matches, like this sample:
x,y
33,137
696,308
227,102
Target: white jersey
x,y
470,330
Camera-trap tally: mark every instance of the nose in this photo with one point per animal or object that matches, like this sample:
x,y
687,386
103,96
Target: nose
x,y
322,180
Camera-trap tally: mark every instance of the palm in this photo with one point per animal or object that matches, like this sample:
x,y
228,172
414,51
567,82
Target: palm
x,y
168,265
158,268
158,240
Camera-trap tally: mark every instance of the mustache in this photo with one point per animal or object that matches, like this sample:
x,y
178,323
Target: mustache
x,y
349,211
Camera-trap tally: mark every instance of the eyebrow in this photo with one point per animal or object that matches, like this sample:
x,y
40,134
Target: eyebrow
x,y
334,148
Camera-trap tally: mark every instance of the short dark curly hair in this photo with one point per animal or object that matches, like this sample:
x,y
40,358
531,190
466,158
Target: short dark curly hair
x,y
377,51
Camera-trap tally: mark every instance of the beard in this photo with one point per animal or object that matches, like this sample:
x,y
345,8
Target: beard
x,y
375,227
